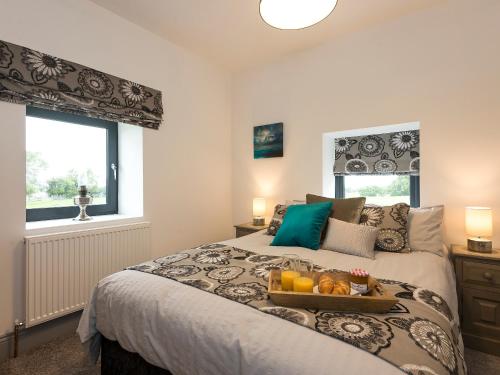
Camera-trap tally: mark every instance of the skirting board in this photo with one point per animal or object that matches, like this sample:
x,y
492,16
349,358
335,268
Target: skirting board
x,y
31,338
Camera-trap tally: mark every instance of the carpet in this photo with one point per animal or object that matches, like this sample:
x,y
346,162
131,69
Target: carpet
x,y
59,357
67,357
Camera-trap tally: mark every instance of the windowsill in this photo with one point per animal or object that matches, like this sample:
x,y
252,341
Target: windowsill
x,y
61,225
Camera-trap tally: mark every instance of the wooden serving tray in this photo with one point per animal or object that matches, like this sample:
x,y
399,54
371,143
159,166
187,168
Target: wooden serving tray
x,y
378,300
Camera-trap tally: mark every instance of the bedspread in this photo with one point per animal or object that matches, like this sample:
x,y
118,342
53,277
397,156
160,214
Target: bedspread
x,y
190,331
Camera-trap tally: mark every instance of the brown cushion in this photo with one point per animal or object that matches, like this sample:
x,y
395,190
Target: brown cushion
x,y
348,209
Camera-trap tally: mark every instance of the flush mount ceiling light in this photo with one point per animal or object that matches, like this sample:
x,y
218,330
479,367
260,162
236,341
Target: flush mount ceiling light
x,y
295,14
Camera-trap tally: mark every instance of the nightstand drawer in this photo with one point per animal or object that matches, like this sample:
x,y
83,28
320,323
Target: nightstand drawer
x,y
481,313
481,273
248,228
240,232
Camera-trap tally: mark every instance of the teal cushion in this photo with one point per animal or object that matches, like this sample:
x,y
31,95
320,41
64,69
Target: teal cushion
x,y
302,225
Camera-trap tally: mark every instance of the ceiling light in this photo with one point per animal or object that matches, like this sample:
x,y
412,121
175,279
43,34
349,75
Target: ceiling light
x,y
295,14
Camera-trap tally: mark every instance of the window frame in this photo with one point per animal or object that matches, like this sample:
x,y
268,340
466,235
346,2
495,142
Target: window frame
x,y
414,189
111,206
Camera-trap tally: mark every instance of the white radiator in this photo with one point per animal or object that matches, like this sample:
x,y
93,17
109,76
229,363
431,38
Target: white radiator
x,y
62,269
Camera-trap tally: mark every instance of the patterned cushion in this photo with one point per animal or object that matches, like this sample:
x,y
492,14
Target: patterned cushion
x,y
275,224
391,220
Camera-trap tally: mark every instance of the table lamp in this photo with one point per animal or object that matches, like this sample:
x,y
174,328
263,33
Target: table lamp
x,y
259,210
479,228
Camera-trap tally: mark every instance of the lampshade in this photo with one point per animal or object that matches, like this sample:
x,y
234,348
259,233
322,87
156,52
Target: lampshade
x,y
259,207
478,221
295,14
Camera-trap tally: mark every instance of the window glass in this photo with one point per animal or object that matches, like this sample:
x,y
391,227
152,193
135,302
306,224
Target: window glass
x,y
60,156
380,190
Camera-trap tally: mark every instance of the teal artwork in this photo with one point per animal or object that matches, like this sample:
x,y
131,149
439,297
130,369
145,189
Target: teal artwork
x,y
268,141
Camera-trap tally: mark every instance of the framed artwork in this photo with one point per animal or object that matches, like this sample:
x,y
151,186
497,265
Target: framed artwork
x,y
268,141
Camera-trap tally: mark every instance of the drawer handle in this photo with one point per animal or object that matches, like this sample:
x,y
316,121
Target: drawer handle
x,y
488,276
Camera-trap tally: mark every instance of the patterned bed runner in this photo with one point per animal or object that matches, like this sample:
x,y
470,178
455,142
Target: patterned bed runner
x,y
419,335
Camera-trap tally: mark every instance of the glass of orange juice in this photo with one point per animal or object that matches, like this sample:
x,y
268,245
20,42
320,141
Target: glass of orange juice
x,y
289,271
304,283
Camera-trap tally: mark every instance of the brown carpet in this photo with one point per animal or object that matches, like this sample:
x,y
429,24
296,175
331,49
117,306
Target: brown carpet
x,y
67,357
58,357
479,363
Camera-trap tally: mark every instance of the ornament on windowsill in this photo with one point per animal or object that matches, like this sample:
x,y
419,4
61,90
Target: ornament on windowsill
x,y
82,200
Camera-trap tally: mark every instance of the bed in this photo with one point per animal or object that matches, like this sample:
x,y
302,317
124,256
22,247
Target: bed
x,y
185,330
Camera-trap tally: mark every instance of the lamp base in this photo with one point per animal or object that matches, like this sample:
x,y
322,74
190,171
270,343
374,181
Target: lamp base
x,y
479,245
83,214
259,221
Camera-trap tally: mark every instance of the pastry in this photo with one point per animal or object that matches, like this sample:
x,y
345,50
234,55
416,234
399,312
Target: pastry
x,y
341,288
325,284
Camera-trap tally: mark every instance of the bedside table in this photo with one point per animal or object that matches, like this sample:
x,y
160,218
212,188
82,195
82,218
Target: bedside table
x,y
248,228
478,289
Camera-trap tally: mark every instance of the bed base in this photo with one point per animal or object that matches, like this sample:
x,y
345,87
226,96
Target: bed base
x,y
117,361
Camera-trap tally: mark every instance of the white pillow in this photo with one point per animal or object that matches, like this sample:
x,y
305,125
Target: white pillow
x,y
348,238
425,229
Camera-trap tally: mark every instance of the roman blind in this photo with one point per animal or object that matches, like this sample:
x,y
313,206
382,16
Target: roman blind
x,y
378,154
35,78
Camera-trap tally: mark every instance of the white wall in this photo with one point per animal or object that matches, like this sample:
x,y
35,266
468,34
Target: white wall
x,y
186,163
439,67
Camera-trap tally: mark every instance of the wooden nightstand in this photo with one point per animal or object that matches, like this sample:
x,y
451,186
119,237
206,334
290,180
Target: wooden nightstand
x,y
478,289
248,228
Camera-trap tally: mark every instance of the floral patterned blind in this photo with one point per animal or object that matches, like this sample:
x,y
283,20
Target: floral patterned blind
x,y
35,78
381,154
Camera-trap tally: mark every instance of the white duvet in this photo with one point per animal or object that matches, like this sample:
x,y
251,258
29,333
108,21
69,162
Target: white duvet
x,y
189,331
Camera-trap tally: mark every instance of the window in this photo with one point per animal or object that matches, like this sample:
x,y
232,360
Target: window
x,y
383,190
64,151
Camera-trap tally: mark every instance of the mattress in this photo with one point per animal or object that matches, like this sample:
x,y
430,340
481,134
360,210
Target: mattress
x,y
189,331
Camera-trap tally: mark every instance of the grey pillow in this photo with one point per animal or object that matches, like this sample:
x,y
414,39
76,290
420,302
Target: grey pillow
x,y
392,222
424,229
353,239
